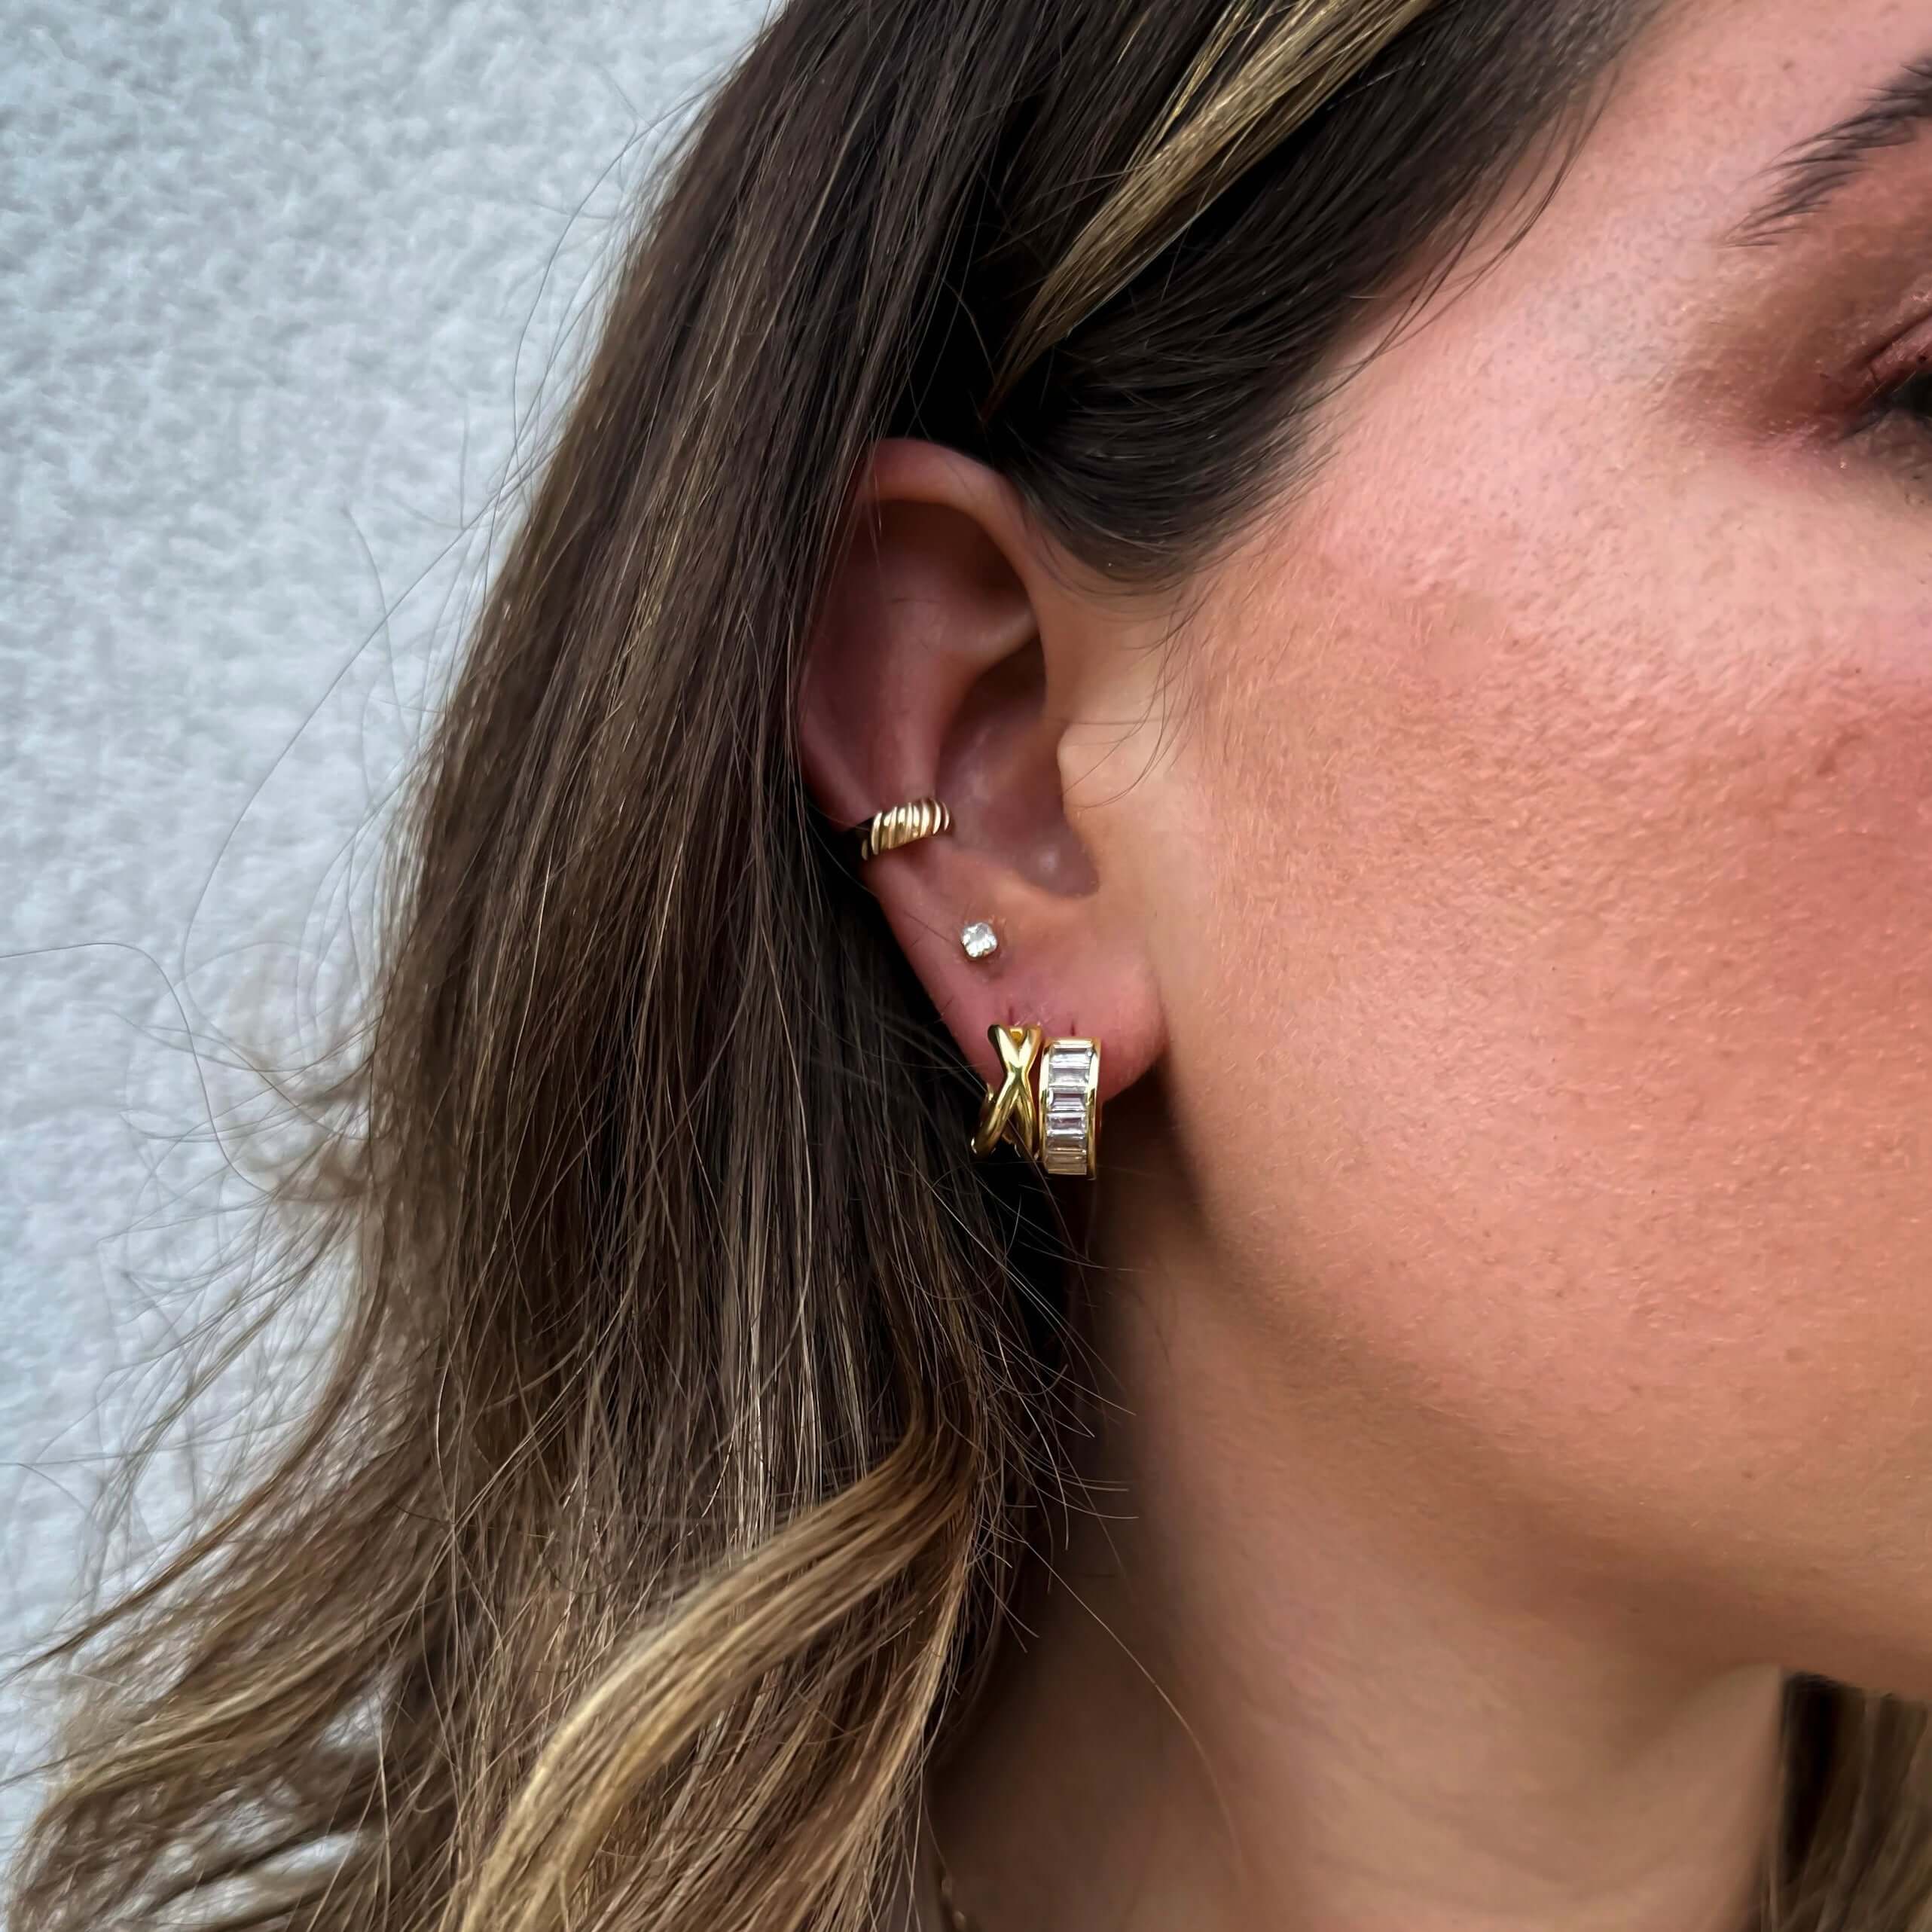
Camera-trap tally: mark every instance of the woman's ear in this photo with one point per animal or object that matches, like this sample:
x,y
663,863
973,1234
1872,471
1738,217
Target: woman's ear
x,y
948,660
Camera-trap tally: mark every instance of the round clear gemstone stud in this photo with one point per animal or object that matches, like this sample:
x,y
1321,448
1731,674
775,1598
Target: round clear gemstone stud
x,y
978,940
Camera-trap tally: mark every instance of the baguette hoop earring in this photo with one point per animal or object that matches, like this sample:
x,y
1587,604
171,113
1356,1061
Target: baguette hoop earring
x,y
1070,1107
1047,1102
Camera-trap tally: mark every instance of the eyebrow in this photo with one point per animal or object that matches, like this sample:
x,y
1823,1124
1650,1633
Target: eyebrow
x,y
1808,176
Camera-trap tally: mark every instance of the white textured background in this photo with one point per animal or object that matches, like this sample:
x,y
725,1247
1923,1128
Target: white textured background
x,y
282,279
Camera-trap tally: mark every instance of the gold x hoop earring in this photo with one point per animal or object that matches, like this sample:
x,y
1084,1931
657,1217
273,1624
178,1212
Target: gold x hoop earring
x,y
1010,1111
1047,1103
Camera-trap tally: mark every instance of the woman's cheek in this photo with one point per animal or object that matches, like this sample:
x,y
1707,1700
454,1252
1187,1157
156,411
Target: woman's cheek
x,y
1563,1052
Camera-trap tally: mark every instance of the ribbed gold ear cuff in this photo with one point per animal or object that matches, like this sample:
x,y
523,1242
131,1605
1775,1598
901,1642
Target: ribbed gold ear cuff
x,y
900,824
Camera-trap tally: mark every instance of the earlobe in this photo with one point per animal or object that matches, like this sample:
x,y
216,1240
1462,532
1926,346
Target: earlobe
x,y
943,647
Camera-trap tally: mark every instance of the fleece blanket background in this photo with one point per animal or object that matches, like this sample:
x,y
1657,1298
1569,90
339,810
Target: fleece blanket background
x,y
289,285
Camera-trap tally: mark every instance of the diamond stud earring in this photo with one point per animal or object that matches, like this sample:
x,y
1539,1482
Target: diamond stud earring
x,y
978,940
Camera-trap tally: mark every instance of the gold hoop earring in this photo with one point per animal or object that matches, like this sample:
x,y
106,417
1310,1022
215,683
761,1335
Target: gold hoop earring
x,y
1047,1103
1011,1110
899,825
1070,1107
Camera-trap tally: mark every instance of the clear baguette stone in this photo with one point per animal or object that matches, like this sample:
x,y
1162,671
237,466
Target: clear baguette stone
x,y
979,939
1066,1077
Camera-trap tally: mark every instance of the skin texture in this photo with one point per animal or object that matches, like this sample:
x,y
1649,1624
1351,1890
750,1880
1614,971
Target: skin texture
x,y
1504,910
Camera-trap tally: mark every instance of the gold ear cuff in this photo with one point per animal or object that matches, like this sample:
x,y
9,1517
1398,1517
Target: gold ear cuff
x,y
899,825
1047,1103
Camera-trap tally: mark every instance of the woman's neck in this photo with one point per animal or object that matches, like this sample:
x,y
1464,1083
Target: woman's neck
x,y
1295,1669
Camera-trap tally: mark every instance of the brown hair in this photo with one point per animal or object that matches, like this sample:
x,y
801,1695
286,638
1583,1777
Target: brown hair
x,y
694,1386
